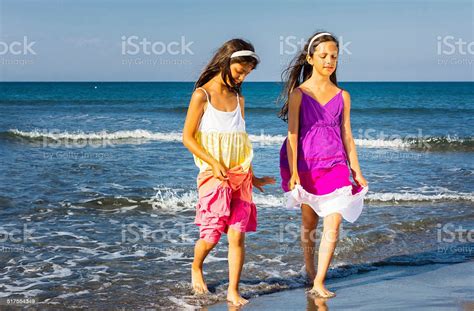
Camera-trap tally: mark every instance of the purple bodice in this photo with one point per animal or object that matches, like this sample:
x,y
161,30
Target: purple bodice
x,y
319,140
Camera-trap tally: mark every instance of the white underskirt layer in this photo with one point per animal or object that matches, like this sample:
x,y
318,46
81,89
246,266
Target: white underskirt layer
x,y
339,201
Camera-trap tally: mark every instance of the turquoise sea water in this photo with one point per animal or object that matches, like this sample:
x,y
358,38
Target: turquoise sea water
x,y
97,173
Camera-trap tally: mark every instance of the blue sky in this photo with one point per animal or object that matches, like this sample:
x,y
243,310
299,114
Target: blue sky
x,y
84,40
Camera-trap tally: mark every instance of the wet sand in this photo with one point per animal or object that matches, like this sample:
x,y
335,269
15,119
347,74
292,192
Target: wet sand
x,y
427,287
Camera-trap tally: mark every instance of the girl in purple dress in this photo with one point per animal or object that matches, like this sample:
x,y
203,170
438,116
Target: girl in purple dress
x,y
319,153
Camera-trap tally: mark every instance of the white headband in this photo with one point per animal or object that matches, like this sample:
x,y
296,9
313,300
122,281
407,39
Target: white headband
x,y
317,36
245,53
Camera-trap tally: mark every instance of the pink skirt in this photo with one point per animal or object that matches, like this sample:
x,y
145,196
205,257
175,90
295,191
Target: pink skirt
x,y
225,204
327,191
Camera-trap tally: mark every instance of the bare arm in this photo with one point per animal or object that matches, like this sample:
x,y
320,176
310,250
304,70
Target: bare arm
x,y
242,106
348,140
193,117
293,130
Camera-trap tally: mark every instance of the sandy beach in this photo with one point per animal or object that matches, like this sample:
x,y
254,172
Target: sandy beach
x,y
427,287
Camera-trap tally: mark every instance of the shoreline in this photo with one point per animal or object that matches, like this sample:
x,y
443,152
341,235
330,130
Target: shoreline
x,y
426,287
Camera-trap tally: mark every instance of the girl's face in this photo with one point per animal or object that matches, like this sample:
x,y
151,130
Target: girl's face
x,y
324,59
239,71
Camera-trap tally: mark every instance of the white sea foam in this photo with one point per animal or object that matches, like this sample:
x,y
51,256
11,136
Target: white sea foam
x,y
170,255
182,304
413,196
169,199
67,295
267,199
142,135
101,135
172,201
382,143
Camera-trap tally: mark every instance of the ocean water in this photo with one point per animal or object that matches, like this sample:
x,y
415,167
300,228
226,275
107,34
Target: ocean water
x,y
97,192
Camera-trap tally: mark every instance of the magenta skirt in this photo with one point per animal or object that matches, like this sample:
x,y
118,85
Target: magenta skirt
x,y
320,181
326,190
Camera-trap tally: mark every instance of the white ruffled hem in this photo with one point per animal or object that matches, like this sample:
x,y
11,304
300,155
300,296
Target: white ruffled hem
x,y
339,201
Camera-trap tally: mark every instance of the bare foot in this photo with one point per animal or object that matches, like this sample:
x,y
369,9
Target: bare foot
x,y
235,299
320,290
197,281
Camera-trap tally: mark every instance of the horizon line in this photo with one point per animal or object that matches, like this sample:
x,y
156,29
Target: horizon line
x,y
263,81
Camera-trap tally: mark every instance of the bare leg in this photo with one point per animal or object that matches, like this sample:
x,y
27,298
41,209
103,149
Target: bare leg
x,y
201,250
326,252
309,222
236,261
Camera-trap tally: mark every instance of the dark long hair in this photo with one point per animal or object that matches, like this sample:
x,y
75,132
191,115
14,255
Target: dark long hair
x,y
221,61
300,70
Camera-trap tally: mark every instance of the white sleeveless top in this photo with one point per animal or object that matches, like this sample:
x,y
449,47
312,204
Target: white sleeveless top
x,y
221,121
222,134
